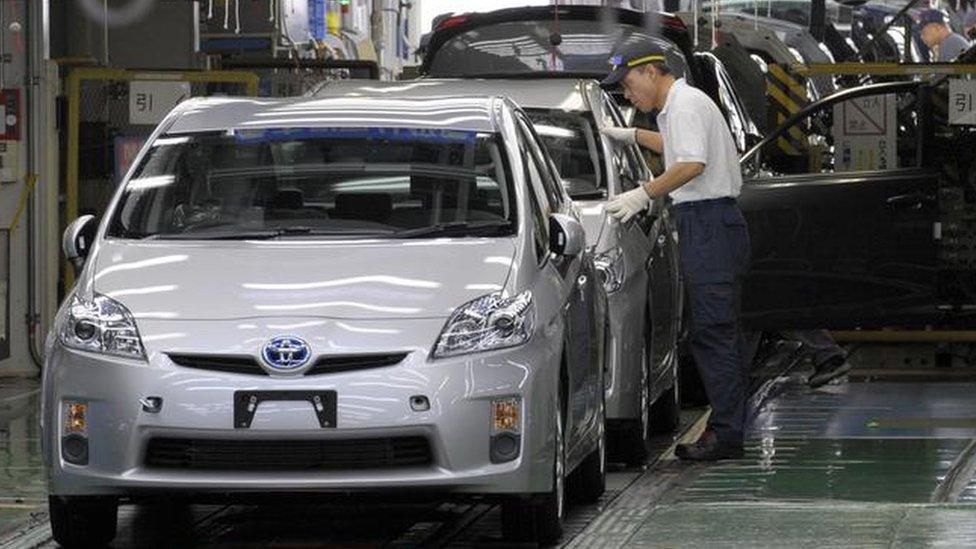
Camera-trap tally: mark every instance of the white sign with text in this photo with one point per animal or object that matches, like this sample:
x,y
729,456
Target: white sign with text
x,y
865,134
962,102
151,101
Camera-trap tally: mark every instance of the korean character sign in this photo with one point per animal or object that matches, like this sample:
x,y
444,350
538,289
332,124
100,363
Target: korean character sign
x,y
962,101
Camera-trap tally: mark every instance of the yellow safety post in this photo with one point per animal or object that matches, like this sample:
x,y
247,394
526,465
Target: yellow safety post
x,y
787,96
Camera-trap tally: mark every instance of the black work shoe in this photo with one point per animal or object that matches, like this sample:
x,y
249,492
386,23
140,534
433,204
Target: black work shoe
x,y
709,448
829,371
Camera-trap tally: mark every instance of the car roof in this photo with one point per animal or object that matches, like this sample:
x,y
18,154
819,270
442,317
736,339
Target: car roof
x,y
669,27
563,94
467,113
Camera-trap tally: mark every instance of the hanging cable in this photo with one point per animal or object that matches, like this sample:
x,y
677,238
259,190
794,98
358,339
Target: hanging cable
x,y
716,8
271,11
210,10
237,16
554,35
226,14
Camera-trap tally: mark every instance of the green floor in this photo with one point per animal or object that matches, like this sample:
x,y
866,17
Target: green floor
x,y
851,465
860,465
22,488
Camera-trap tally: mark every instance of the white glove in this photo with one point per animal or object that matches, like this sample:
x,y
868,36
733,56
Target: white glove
x,y
625,206
626,136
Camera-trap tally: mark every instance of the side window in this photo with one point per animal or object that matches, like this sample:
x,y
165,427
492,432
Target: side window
x,y
549,178
538,202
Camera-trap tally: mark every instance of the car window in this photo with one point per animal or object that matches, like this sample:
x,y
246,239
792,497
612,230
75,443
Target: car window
x,y
736,115
573,142
520,47
324,180
538,201
868,133
550,179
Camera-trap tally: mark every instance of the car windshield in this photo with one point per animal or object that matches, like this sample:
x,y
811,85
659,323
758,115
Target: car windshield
x,y
525,47
573,142
325,183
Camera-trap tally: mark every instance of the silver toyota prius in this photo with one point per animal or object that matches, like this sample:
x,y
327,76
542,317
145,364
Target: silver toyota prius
x,y
637,262
330,295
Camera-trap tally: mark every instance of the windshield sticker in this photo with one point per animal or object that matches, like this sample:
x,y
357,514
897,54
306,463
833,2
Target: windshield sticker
x,y
383,134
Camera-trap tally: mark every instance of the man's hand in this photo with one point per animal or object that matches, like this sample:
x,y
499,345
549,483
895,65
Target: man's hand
x,y
627,136
627,205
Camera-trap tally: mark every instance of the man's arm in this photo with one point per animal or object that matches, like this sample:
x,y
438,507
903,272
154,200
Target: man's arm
x,y
650,140
631,203
673,178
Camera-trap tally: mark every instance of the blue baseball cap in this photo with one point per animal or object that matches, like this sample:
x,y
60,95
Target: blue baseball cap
x,y
630,55
931,16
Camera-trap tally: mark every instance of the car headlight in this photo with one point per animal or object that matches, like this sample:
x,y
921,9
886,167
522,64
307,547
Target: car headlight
x,y
100,325
487,323
610,267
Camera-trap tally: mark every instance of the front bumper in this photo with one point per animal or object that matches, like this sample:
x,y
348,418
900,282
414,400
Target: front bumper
x,y
372,403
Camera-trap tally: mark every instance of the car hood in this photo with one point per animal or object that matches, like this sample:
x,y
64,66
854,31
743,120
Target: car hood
x,y
345,280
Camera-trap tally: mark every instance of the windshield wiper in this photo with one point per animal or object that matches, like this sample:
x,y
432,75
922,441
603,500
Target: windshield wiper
x,y
456,228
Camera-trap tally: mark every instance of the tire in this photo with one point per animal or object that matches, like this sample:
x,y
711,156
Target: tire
x,y
589,481
540,519
83,521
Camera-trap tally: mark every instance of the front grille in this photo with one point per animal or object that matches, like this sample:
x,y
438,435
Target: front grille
x,y
333,364
288,455
249,365
220,363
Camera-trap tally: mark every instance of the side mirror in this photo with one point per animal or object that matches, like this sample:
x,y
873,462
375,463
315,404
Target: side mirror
x,y
77,240
566,235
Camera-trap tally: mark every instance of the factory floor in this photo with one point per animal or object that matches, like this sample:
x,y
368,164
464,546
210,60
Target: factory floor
x,y
883,458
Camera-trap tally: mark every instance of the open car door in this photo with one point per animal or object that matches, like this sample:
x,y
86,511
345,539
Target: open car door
x,y
853,240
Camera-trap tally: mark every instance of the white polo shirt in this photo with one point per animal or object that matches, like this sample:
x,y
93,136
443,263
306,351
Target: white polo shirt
x,y
694,130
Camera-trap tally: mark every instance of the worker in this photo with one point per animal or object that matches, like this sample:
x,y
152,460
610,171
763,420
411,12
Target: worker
x,y
702,177
937,35
969,24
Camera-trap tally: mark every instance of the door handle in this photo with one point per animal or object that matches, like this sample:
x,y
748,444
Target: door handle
x,y
911,201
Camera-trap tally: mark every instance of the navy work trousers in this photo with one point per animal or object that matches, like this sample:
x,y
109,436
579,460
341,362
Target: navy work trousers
x,y
714,249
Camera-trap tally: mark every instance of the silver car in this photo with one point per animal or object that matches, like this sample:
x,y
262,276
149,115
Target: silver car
x,y
329,295
637,261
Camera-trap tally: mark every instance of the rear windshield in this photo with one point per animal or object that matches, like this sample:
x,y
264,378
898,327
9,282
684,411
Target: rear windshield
x,y
318,182
573,142
525,47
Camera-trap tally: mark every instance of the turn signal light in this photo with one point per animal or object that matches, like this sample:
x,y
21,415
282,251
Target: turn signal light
x,y
505,415
75,421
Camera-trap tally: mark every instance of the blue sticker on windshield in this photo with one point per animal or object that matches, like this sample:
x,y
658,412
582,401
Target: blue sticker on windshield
x,y
385,134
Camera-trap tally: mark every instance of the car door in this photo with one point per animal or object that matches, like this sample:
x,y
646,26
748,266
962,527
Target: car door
x,y
585,310
652,245
581,341
852,241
